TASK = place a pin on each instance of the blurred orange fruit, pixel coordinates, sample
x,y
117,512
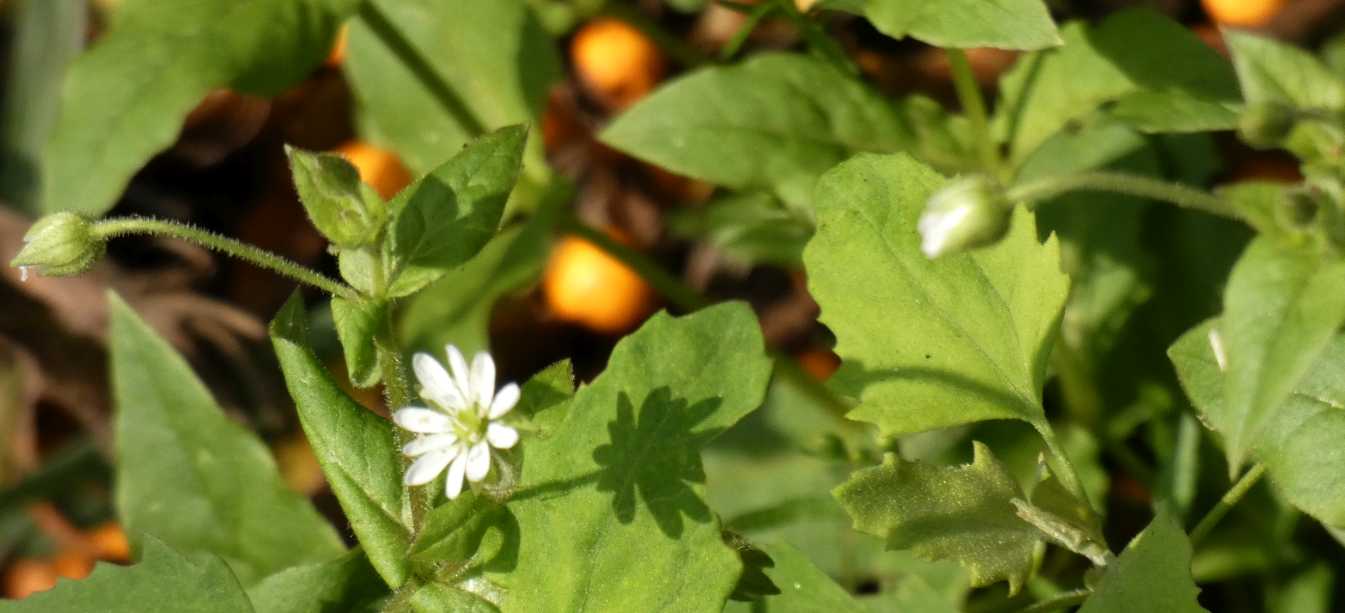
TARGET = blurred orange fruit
x,y
72,564
584,285
617,63
1243,13
337,56
378,167
27,576
108,542
819,363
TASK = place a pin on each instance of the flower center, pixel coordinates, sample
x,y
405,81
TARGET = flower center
x,y
468,426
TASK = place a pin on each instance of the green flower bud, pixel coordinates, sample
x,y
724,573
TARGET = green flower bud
x,y
60,245
1265,125
969,212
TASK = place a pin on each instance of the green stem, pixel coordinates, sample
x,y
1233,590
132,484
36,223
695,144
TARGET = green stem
x,y
1061,601
373,16
973,104
1035,192
125,226
1226,504
1068,475
397,394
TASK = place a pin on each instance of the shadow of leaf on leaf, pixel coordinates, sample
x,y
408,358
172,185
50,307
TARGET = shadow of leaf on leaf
x,y
655,454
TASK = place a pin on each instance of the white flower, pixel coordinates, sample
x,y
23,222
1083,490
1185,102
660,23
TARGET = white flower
x,y
461,423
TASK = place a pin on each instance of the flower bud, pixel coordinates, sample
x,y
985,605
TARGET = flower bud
x,y
1265,125
60,245
969,212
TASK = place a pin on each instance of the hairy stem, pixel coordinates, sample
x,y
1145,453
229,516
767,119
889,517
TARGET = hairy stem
x,y
1226,504
1063,467
973,104
1035,192
113,228
397,394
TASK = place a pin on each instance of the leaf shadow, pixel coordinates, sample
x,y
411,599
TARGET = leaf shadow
x,y
655,456
858,377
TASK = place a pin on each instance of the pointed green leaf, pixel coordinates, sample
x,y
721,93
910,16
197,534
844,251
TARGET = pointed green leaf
x,y
1172,83
1003,24
775,122
1293,442
975,330
126,98
354,446
162,580
342,207
494,57
446,217
357,321
1152,574
191,476
610,510
929,509
341,584
1281,308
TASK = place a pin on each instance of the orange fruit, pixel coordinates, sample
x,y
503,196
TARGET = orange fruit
x,y
819,363
72,564
108,542
1244,13
337,56
378,167
584,285
617,63
26,576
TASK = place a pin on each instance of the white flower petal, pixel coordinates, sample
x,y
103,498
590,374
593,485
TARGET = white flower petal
x,y
937,228
501,436
436,383
461,374
504,401
427,467
453,483
483,381
428,443
422,421
478,461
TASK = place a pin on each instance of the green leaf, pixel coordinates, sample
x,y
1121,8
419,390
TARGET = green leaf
x,y
929,510
749,228
774,122
494,57
437,598
446,217
342,207
357,321
191,476
456,309
354,446
162,580
1272,71
126,98
1172,83
1281,308
1296,434
45,37
545,395
803,588
1152,574
610,511
976,330
340,584
1003,24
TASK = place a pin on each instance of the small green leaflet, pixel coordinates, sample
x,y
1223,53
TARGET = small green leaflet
x,y
344,209
357,322
1172,83
354,446
928,509
961,339
161,580
1272,71
194,478
774,122
1152,574
1297,439
1281,308
125,99
1005,24
610,509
